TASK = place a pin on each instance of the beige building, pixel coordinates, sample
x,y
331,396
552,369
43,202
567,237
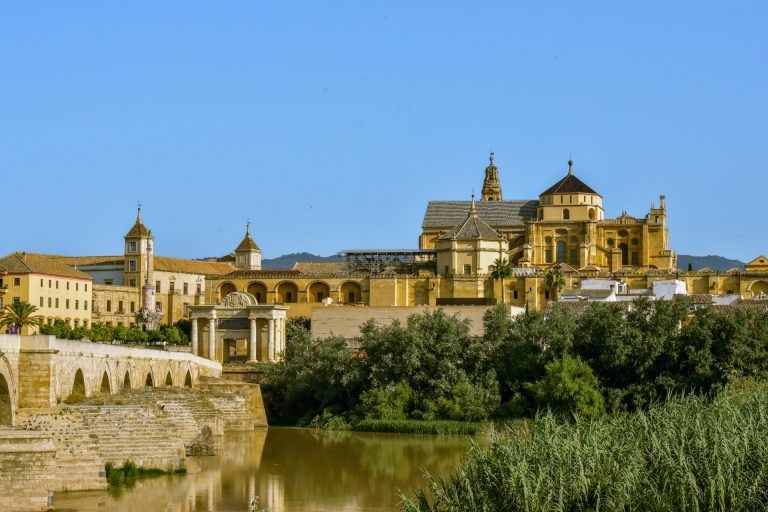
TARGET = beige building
x,y
59,291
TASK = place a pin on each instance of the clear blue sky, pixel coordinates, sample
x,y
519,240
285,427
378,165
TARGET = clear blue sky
x,y
331,124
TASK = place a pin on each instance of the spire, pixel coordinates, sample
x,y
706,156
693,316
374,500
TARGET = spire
x,y
491,184
473,208
248,228
570,167
138,215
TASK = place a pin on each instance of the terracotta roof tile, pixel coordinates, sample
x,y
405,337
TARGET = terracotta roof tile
x,y
184,266
32,263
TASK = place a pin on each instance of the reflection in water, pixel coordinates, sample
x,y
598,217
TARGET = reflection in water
x,y
291,470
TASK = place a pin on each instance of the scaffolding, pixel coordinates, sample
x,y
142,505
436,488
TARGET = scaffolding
x,y
397,261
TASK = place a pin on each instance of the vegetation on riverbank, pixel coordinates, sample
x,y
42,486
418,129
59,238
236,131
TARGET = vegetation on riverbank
x,y
173,335
127,474
436,427
605,359
683,454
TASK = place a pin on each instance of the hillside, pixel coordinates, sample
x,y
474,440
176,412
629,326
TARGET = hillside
x,y
714,262
287,260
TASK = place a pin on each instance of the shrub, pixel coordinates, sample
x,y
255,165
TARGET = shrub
x,y
388,403
435,427
570,387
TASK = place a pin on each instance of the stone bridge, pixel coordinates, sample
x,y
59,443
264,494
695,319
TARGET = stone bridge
x,y
42,371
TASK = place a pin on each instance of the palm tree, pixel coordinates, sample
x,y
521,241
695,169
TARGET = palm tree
x,y
502,269
555,280
21,314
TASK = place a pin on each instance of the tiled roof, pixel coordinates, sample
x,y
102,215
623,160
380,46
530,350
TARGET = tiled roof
x,y
569,184
565,267
264,274
164,264
85,261
320,267
32,263
248,244
696,298
592,294
589,268
497,214
472,228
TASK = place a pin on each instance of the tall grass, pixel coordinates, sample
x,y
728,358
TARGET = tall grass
x,y
682,455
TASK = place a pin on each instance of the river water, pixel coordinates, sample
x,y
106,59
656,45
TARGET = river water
x,y
290,470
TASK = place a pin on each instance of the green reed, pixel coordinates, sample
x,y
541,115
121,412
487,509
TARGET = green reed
x,y
684,455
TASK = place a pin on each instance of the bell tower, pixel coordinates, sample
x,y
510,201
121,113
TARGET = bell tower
x,y
491,184
138,258
248,254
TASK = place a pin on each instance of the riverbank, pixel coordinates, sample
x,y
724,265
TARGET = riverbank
x,y
684,454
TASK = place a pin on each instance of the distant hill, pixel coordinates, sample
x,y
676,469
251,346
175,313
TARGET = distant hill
x,y
287,260
714,262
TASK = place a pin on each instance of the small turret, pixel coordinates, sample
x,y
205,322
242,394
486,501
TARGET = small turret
x,y
491,184
248,254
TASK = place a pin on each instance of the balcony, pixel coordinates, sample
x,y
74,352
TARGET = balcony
x,y
3,289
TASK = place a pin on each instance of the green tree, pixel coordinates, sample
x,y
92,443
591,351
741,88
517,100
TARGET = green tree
x,y
21,314
502,269
555,280
570,387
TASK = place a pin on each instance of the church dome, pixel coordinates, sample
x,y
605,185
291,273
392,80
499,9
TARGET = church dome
x,y
570,184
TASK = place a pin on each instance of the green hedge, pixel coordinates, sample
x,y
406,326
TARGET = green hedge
x,y
444,427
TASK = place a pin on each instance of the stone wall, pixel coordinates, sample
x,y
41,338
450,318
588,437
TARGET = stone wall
x,y
26,471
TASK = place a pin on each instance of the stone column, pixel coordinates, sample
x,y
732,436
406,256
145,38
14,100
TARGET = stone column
x,y
252,341
271,340
194,337
212,339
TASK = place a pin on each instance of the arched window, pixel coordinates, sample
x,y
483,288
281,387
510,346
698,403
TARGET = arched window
x,y
561,251
566,214
591,214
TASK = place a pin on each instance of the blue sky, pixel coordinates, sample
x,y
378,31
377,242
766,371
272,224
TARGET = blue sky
x,y
331,124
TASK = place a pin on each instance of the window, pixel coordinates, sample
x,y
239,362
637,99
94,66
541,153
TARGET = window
x,y
77,304
591,214
288,296
16,300
66,304
158,306
514,294
85,305
67,285
186,288
16,281
561,251
108,281
86,287
132,282
657,219
131,246
186,309
467,270
172,287
41,282
57,302
548,256
109,306
566,214
77,287
157,286
351,297
132,265
624,254
635,258
49,284
199,288
574,256
41,301
320,296
120,306
447,270
57,284
546,294
133,307
49,301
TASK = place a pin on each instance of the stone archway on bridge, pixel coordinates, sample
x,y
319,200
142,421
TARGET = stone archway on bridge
x,y
6,403
127,380
78,391
150,381
188,380
105,386
169,379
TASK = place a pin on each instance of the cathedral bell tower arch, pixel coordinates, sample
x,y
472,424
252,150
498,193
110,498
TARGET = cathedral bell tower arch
x,y
491,183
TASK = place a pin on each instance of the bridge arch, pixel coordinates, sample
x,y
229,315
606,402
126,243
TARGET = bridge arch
x,y
127,379
188,380
78,386
169,379
7,394
106,387
149,382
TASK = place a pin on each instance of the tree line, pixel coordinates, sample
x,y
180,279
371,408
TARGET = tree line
x,y
605,358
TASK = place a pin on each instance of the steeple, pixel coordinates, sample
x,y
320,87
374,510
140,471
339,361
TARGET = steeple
x,y
491,184
570,167
248,254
